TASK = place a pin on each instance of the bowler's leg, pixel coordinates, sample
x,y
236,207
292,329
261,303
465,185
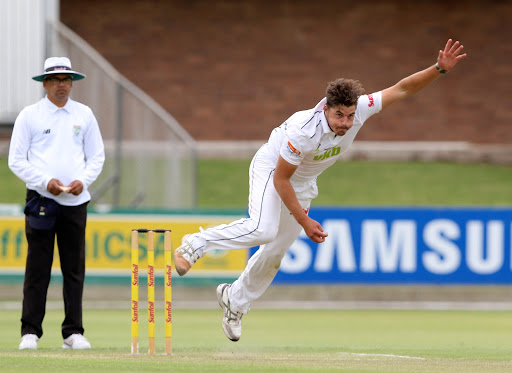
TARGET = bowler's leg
x,y
263,265
261,226
235,299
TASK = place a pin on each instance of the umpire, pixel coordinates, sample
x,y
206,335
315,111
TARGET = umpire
x,y
57,150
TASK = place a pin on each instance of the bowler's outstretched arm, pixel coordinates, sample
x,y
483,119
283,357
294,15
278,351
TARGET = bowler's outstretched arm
x,y
446,60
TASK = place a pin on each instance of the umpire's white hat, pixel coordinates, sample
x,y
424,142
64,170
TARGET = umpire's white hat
x,y
58,65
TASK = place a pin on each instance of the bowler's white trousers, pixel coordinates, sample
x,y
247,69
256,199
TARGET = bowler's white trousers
x,y
269,226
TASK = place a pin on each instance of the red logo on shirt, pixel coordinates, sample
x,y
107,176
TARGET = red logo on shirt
x,y
370,97
305,210
292,148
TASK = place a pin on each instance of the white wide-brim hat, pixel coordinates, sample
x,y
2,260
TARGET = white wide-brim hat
x,y
58,65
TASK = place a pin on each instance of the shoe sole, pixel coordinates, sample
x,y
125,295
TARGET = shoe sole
x,y
181,264
220,291
28,348
68,347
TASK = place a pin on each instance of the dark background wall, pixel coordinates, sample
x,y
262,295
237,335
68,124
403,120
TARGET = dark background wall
x,y
233,70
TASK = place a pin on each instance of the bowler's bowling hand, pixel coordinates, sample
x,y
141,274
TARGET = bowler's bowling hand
x,y
314,230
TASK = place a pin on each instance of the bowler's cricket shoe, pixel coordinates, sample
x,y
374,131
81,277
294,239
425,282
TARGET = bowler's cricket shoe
x,y
186,255
232,320
29,342
76,342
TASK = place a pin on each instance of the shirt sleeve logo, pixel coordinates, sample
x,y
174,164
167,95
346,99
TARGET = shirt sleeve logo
x,y
371,103
292,148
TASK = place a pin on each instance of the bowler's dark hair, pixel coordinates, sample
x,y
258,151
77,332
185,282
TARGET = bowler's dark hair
x,y
343,92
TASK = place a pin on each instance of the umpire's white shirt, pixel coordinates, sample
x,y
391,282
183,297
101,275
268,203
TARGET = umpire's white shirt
x,y
49,142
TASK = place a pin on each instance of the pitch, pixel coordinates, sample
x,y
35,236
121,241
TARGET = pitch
x,y
277,341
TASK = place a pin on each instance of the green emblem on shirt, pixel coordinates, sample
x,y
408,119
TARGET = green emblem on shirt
x,y
328,153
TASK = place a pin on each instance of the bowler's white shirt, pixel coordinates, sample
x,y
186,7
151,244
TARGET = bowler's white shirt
x,y
306,140
49,142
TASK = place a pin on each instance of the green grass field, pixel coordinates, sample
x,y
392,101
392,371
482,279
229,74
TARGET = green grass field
x,y
225,184
297,340
277,341
362,183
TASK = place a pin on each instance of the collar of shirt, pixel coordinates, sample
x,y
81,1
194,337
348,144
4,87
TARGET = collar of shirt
x,y
325,126
52,108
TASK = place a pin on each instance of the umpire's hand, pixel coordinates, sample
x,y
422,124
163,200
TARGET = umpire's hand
x,y
55,187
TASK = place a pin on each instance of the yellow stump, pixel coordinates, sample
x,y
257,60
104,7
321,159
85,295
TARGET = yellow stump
x,y
135,292
168,292
151,292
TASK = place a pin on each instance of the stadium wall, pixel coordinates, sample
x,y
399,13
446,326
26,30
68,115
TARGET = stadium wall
x,y
236,70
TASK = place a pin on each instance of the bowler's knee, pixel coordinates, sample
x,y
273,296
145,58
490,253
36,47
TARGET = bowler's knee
x,y
274,261
266,235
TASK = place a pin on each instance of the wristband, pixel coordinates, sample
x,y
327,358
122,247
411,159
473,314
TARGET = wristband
x,y
441,70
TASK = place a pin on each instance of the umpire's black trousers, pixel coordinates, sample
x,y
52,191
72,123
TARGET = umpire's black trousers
x,y
70,231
